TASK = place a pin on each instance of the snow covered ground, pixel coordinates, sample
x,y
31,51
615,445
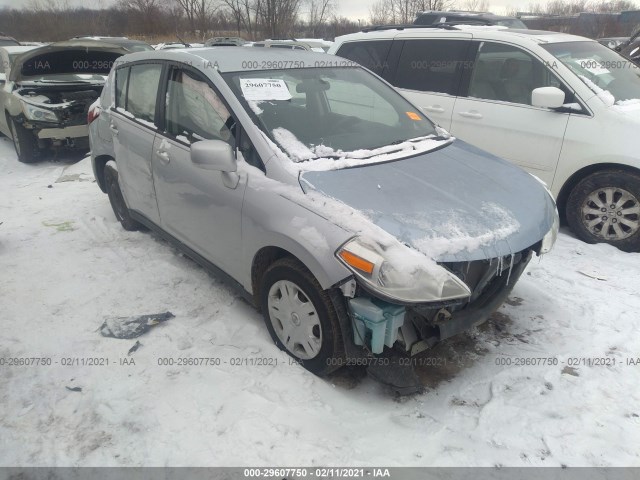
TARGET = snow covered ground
x,y
66,265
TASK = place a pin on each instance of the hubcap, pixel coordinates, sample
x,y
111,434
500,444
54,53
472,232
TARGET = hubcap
x,y
295,319
611,213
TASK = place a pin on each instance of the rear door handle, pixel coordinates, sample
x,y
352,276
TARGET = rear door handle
x,y
471,114
163,156
113,129
434,109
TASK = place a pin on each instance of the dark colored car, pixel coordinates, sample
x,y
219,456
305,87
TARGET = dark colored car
x,y
6,41
631,49
130,45
47,93
225,42
433,17
613,42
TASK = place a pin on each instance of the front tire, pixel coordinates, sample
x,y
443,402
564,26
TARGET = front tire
x,y
300,316
116,199
24,142
604,207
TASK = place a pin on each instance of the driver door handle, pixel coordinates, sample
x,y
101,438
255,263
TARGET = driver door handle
x,y
434,109
113,129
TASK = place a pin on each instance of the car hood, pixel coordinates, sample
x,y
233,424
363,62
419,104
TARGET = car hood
x,y
65,57
457,203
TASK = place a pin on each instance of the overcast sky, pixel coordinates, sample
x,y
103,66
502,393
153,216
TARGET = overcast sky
x,y
349,8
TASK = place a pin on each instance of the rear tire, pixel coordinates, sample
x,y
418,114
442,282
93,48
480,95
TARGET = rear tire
x,y
300,316
24,142
117,200
604,207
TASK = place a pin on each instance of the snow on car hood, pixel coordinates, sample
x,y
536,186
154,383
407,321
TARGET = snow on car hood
x,y
457,203
71,56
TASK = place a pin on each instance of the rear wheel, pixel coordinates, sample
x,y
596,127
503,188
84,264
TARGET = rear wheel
x,y
300,316
24,142
116,199
605,207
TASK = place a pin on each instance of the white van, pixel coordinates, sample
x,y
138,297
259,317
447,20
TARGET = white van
x,y
563,107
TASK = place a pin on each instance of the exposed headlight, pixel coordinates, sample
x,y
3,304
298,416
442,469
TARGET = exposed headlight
x,y
400,273
550,238
36,113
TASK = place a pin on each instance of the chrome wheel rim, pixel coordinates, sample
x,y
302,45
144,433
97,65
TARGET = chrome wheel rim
x,y
295,319
611,213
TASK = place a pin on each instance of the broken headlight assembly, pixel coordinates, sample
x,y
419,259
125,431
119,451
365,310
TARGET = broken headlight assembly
x,y
399,273
32,112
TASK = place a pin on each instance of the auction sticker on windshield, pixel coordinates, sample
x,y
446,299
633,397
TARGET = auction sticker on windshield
x,y
264,89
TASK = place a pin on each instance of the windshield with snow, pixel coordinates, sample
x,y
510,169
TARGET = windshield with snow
x,y
326,112
606,72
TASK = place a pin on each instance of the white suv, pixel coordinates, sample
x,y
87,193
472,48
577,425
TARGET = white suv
x,y
565,108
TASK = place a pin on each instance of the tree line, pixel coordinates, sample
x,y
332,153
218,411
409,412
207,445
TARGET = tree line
x,y
197,20
166,20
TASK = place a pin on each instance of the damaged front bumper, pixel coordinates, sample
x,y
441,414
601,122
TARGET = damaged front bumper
x,y
58,135
411,329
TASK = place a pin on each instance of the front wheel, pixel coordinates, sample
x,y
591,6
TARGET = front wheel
x,y
116,199
300,316
24,142
605,207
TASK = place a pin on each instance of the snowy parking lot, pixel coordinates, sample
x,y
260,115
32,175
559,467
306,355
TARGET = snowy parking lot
x,y
552,379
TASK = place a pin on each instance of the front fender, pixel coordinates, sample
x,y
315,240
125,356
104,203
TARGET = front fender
x,y
272,220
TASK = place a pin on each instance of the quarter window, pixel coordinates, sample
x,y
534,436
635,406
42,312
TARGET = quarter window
x,y
432,65
122,78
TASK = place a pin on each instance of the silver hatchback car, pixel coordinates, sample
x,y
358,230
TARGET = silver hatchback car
x,y
357,226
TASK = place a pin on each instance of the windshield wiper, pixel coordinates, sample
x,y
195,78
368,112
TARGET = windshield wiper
x,y
65,81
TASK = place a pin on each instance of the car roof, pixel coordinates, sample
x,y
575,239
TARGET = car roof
x,y
235,59
492,32
113,40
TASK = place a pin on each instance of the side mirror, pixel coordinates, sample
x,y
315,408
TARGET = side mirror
x,y
213,155
547,97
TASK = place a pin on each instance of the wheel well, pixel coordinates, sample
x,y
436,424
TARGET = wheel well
x,y
262,260
574,179
100,162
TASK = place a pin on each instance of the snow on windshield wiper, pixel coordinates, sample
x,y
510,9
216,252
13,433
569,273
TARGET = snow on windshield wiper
x,y
415,140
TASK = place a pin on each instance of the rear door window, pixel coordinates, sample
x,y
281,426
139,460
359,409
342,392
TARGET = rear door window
x,y
143,90
432,65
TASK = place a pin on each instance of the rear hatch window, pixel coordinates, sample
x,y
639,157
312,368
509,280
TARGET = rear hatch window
x,y
71,61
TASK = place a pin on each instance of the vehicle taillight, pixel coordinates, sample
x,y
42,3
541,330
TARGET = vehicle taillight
x,y
92,115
